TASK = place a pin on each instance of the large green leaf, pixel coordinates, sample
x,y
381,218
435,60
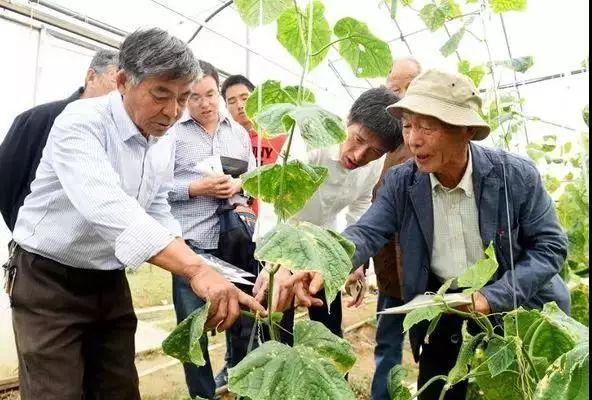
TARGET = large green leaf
x,y
276,371
272,92
421,314
557,328
586,114
271,119
478,275
293,34
253,11
367,55
435,15
320,339
500,6
518,322
287,187
568,377
184,342
396,384
319,128
305,247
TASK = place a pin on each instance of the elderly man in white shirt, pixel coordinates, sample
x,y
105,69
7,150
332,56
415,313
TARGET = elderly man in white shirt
x,y
354,168
99,204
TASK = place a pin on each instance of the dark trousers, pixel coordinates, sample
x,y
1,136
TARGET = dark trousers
x,y
389,345
439,355
74,331
329,316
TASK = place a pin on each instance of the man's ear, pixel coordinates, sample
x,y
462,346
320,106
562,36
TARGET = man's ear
x,y
471,132
122,81
90,76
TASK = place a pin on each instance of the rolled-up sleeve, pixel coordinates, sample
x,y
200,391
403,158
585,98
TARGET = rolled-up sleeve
x,y
94,189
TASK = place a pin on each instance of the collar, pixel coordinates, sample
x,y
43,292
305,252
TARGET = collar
x,y
465,184
125,126
187,118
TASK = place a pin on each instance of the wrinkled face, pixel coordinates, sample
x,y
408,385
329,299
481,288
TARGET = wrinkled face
x,y
155,104
204,102
436,146
101,83
236,98
401,75
361,147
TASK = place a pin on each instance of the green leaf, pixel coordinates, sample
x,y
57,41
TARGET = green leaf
x,y
568,377
586,115
287,187
368,56
184,342
478,275
465,355
293,34
432,327
500,355
251,10
580,304
476,73
421,314
452,44
520,64
394,8
271,119
435,15
306,247
274,93
319,128
276,371
518,322
396,384
500,6
445,286
317,337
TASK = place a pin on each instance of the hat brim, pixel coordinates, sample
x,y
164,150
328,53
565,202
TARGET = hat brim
x,y
447,112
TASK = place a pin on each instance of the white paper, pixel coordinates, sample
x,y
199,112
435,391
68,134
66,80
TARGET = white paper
x,y
427,300
210,167
231,272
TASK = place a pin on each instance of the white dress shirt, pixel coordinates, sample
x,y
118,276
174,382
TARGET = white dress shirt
x,y
99,199
347,191
457,238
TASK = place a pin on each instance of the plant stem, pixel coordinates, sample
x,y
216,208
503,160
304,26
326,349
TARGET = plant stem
x,y
479,318
428,383
271,327
331,44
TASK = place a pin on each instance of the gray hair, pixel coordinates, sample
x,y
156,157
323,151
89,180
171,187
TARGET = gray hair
x,y
104,59
154,52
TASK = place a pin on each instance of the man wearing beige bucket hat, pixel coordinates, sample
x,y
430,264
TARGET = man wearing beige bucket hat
x,y
447,205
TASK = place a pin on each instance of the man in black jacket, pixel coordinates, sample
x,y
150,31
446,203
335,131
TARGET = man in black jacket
x,y
21,150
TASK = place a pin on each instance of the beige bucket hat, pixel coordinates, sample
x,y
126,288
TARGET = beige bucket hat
x,y
452,98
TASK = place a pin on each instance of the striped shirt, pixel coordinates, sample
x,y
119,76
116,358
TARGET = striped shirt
x,y
457,238
194,146
99,200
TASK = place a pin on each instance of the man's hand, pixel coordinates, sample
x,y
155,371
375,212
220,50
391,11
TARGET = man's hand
x,y
353,279
306,284
481,305
220,187
225,298
283,290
